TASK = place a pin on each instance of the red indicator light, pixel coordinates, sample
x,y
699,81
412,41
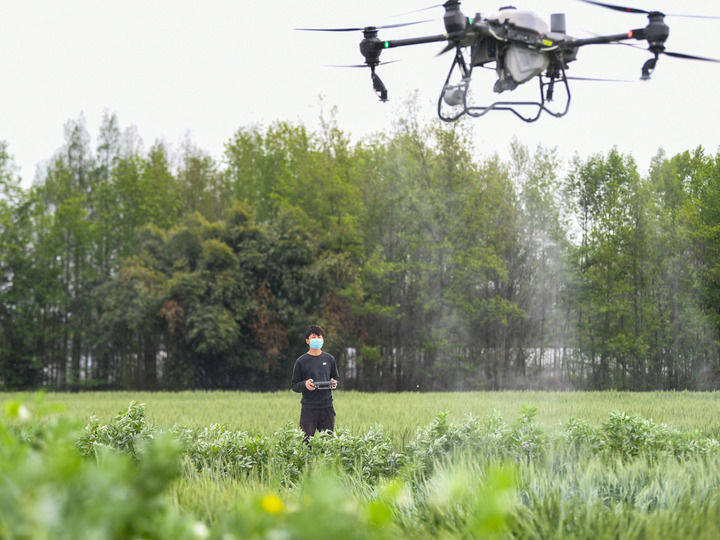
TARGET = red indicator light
x,y
630,34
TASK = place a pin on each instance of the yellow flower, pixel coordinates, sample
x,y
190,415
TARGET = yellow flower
x,y
272,504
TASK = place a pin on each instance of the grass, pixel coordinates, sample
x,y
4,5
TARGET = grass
x,y
399,413
555,498
556,492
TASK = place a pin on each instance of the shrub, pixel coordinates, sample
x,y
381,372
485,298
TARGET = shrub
x,y
124,433
372,456
230,452
53,491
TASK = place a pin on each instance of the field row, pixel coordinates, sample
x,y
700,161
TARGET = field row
x,y
398,413
625,477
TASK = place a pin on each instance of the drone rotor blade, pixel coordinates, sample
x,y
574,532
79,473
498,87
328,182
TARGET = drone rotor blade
x,y
346,66
599,80
328,29
615,7
448,47
405,24
693,16
625,9
360,65
628,45
690,57
357,29
669,53
429,8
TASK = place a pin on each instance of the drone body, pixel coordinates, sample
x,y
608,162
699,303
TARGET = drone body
x,y
519,46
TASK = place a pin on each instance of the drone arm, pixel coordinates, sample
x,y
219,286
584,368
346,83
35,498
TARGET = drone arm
x,y
414,41
632,34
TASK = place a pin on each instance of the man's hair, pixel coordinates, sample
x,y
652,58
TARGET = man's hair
x,y
314,329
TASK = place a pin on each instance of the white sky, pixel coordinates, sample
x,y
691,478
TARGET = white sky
x,y
178,67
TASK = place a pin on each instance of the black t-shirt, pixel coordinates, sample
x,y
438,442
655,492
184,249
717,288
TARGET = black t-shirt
x,y
317,368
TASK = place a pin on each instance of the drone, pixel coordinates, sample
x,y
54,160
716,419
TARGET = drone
x,y
519,46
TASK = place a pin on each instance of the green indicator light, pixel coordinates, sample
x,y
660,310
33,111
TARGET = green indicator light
x,y
387,44
469,20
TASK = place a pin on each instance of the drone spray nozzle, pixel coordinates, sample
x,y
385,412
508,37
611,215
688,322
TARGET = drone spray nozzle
x,y
378,85
648,68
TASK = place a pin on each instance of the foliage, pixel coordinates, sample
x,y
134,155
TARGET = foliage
x,y
51,491
226,451
627,477
431,266
126,432
628,436
373,455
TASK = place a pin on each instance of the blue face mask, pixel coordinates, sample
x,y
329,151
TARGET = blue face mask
x,y
316,343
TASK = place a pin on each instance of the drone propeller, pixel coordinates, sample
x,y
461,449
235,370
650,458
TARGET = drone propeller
x,y
362,28
377,83
667,53
592,79
626,9
429,8
449,5
616,8
670,53
360,65
449,47
689,57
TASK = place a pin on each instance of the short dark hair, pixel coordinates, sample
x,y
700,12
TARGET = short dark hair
x,y
314,329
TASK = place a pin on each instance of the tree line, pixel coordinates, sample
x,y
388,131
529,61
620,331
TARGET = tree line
x,y
428,267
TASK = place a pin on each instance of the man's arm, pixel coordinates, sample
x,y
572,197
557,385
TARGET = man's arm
x,y
298,380
334,373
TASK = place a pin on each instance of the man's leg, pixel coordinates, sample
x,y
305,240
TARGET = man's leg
x,y
308,422
326,419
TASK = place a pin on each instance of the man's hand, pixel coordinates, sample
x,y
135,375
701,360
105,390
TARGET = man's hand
x,y
334,384
309,385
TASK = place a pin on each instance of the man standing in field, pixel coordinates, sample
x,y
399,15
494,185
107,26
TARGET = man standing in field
x,y
316,412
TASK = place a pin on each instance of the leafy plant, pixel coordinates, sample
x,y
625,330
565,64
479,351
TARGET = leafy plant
x,y
124,433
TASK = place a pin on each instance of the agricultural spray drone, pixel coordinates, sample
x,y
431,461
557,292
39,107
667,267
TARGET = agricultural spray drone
x,y
518,46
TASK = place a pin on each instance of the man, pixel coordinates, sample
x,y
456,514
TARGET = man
x,y
316,412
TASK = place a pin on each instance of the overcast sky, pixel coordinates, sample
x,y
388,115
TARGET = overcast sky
x,y
176,67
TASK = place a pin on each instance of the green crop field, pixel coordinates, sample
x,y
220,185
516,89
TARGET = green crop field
x,y
396,412
419,465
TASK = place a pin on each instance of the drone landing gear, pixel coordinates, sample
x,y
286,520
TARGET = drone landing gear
x,y
455,95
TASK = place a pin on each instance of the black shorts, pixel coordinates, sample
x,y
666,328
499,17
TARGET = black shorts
x,y
312,420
